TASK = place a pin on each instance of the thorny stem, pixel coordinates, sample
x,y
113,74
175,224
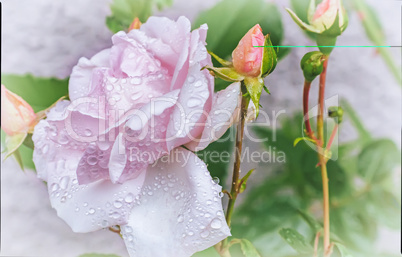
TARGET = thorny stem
x,y
322,159
224,251
306,92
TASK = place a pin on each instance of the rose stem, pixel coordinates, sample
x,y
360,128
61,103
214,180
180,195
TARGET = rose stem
x,y
306,92
322,159
236,168
331,139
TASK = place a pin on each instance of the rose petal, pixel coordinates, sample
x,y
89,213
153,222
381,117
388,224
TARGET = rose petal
x,y
194,104
80,79
182,207
85,208
223,114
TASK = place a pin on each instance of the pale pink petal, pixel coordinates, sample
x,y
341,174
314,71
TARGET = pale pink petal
x,y
80,80
224,113
194,104
84,208
179,210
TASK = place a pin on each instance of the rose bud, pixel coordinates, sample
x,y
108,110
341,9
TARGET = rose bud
x,y
322,19
247,58
326,13
17,116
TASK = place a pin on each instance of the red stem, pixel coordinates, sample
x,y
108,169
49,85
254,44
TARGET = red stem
x,y
306,92
331,139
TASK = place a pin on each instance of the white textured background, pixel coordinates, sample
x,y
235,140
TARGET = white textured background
x,y
47,37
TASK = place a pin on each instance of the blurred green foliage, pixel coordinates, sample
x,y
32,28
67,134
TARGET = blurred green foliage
x,y
124,12
363,196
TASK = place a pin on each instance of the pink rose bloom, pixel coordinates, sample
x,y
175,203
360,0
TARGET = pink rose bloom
x,y
112,155
247,59
17,116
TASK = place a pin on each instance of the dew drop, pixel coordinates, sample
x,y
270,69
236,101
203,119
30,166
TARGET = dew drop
x,y
64,182
92,160
91,211
180,218
117,204
215,180
198,84
129,198
88,133
193,102
54,187
216,224
204,234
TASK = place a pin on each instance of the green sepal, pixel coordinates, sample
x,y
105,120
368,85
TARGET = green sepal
x,y
266,89
254,87
312,65
323,40
220,60
243,181
28,141
297,140
269,59
303,25
335,30
18,158
12,143
225,73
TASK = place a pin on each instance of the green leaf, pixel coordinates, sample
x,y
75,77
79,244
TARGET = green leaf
x,y
313,223
254,88
225,73
248,249
385,207
230,20
98,255
124,12
377,159
343,251
40,93
296,240
243,181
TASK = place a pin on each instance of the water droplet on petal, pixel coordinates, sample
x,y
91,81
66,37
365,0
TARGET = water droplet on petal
x,y
64,182
216,224
117,204
129,198
91,211
180,218
204,234
215,180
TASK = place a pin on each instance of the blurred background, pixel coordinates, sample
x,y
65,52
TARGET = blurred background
x,y
46,38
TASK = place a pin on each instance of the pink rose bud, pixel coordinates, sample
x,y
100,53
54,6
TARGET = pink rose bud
x,y
17,116
326,12
247,59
